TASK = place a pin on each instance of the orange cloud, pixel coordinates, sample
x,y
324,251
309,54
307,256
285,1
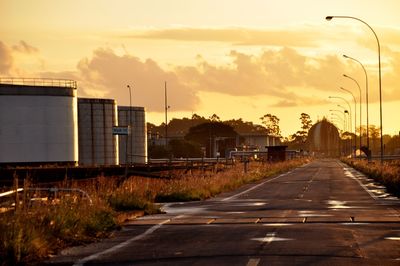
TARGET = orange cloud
x,y
305,37
271,73
284,75
24,47
109,74
6,59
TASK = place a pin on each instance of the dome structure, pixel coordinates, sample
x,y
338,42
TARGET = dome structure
x,y
323,139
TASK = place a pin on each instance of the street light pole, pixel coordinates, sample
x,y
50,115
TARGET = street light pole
x,y
166,114
355,118
359,88
366,94
130,123
379,68
348,104
350,120
346,124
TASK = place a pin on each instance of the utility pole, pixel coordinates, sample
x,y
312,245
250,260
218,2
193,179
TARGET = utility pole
x,y
166,115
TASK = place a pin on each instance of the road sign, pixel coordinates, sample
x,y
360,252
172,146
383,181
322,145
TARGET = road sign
x,y
120,130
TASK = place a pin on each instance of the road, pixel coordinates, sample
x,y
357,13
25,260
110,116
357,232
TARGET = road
x,y
323,213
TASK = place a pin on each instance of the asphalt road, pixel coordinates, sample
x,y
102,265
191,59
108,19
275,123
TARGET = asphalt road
x,y
323,213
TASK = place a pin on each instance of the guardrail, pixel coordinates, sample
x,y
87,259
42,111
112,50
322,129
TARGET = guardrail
x,y
46,82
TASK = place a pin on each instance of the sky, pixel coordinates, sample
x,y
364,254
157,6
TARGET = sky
x,y
235,58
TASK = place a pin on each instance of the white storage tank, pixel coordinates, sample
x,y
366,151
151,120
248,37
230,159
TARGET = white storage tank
x,y
38,121
96,118
135,117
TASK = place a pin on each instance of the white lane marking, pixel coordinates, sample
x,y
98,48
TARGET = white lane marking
x,y
149,231
276,224
348,173
252,188
253,262
396,238
271,237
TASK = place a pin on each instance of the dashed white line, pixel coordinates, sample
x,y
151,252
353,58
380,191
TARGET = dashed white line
x,y
253,262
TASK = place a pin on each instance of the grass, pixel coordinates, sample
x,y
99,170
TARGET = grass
x,y
387,174
31,234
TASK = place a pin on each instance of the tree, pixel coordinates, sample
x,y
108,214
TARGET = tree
x,y
206,134
185,149
215,118
374,134
271,122
306,124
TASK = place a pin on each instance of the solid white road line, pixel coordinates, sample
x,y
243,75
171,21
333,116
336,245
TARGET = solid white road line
x,y
120,245
348,173
252,188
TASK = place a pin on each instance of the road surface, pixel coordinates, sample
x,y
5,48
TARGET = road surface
x,y
323,213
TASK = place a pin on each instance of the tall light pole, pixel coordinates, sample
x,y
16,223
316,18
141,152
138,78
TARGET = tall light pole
x,y
379,68
348,116
345,126
348,104
166,113
130,123
359,88
336,116
366,94
345,122
355,114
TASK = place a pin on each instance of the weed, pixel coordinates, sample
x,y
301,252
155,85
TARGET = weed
x,y
31,234
387,174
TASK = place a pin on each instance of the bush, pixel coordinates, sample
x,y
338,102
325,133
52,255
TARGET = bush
x,y
128,201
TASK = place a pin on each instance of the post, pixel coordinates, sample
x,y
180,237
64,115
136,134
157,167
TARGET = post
x,y
130,124
16,191
166,114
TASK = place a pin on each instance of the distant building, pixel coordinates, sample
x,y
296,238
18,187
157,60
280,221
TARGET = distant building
x,y
42,122
258,141
135,117
96,119
38,123
323,139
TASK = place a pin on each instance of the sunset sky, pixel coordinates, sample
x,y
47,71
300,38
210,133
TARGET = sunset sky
x,y
238,59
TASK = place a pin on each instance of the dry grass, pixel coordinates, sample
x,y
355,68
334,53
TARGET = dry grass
x,y
388,174
31,234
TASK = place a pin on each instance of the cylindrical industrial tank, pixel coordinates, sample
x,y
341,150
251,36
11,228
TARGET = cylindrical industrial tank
x,y
96,118
323,139
135,117
38,121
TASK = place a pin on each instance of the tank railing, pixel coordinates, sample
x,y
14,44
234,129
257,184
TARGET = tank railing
x,y
46,82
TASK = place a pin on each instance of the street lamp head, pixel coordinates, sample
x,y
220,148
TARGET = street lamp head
x,y
346,111
328,18
345,56
344,75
